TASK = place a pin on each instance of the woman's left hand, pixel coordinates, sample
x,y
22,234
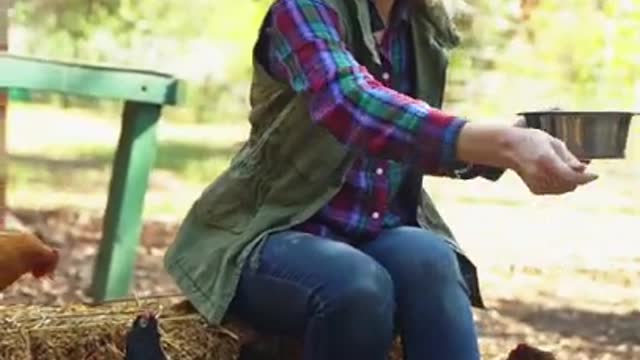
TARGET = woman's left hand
x,y
521,122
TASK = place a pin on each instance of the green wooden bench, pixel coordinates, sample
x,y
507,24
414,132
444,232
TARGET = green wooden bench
x,y
144,93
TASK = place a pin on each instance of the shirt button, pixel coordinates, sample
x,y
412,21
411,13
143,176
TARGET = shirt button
x,y
379,171
375,215
386,76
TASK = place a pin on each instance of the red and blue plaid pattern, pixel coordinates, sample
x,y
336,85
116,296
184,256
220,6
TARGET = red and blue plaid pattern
x,y
375,117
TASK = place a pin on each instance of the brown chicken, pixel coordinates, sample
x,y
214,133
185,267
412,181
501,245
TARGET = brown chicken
x,y
526,352
21,253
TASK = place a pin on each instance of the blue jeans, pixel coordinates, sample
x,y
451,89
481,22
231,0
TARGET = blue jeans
x,y
349,302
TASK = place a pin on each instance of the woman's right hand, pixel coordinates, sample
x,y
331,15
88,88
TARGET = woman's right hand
x,y
545,164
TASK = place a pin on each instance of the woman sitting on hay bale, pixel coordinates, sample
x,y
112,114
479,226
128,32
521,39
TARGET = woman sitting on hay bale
x,y
320,228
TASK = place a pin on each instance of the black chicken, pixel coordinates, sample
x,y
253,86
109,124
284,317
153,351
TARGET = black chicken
x,y
143,340
143,343
526,352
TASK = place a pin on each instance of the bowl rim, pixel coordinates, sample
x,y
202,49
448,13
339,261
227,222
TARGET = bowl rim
x,y
562,112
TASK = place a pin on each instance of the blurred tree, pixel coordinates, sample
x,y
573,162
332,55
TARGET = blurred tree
x,y
516,54
205,42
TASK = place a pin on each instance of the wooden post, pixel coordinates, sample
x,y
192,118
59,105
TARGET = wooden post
x,y
5,5
122,225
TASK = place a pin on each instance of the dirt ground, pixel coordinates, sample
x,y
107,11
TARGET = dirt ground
x,y
546,293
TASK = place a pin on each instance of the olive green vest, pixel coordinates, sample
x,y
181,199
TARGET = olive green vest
x,y
290,168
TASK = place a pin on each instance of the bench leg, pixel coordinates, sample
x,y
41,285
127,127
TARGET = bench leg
x,y
122,224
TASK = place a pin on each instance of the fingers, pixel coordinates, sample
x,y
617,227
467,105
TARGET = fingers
x,y
558,171
552,168
563,152
521,122
578,174
585,178
562,176
572,174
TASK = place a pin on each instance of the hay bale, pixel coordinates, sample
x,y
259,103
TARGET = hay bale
x,y
12,347
84,331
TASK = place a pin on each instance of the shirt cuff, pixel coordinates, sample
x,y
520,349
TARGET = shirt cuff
x,y
459,169
449,157
473,171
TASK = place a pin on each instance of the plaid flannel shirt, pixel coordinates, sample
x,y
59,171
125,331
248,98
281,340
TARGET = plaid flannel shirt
x,y
392,131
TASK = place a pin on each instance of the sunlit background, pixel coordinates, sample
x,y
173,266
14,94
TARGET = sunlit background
x,y
562,272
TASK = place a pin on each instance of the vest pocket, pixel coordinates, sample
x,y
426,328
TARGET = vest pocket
x,y
318,155
229,203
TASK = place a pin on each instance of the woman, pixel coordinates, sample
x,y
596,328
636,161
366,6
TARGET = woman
x,y
320,228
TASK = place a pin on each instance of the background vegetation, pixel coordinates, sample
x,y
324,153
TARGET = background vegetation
x,y
516,55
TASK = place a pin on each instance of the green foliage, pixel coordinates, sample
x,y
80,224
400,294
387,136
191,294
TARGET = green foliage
x,y
206,42
572,53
